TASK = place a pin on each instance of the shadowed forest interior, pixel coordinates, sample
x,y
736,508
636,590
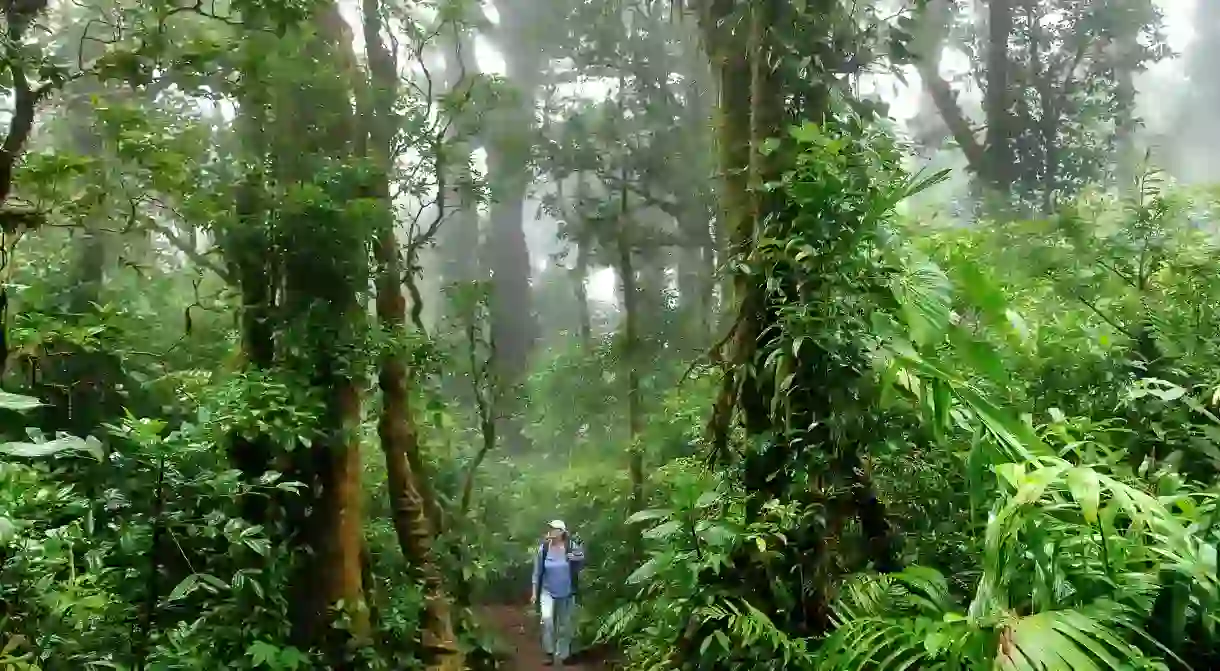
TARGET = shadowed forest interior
x,y
842,335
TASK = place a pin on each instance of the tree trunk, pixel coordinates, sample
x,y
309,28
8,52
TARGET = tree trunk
x,y
748,388
459,236
653,287
395,427
695,281
696,264
25,99
399,437
932,29
325,274
248,255
631,355
997,101
78,383
338,573
1048,124
513,322
580,279
1126,60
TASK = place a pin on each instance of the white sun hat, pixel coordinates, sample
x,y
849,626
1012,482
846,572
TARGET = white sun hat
x,y
558,524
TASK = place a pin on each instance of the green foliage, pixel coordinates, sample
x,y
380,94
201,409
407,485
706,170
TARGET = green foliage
x,y
1031,405
1093,554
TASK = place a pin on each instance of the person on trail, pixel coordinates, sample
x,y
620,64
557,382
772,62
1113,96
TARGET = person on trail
x,y
555,585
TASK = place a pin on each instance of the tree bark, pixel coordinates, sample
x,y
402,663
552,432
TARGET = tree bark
x,y
396,427
514,325
631,354
325,274
580,278
998,96
731,67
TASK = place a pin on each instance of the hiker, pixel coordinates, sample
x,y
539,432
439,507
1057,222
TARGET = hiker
x,y
556,569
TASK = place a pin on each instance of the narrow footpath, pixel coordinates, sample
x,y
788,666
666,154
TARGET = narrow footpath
x,y
518,629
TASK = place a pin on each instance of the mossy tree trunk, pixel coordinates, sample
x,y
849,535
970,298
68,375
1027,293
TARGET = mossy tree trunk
x,y
320,236
748,57
396,426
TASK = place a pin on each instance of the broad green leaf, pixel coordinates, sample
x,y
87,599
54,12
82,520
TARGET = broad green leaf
x,y
1086,489
924,295
649,514
645,572
189,584
1013,474
806,133
663,530
18,402
59,445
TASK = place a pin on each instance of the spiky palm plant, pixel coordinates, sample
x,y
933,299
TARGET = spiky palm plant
x,y
1079,554
1073,561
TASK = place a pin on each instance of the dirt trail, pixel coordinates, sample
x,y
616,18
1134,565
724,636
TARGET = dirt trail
x,y
518,629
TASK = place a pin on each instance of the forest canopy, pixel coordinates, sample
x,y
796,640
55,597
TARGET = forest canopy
x,y
827,335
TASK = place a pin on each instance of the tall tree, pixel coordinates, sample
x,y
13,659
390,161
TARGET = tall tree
x,y
1041,147
795,454
413,524
508,142
318,268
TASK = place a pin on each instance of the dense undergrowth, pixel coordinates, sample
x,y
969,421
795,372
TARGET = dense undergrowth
x,y
827,432
1039,399
1043,422
1039,395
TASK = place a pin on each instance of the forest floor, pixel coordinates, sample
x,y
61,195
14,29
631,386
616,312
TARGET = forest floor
x,y
517,629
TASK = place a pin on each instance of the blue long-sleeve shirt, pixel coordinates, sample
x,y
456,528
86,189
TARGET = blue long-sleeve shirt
x,y
556,571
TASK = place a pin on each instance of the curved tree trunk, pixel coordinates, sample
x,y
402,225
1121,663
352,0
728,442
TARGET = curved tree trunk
x,y
396,428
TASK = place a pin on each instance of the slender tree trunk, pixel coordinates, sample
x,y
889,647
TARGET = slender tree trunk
x,y
18,19
484,394
396,427
653,287
459,236
697,257
399,437
580,279
695,283
78,383
998,96
1126,60
631,354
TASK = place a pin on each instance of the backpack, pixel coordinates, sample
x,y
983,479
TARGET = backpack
x,y
567,548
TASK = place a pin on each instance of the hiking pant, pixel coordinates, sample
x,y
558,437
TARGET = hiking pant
x,y
557,624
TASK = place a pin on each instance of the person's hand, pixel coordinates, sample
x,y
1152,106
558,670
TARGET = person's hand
x,y
533,598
